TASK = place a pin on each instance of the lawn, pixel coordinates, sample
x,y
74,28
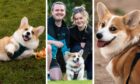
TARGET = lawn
x,y
30,70
71,82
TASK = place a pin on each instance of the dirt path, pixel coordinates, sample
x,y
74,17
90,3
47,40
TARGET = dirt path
x,y
101,75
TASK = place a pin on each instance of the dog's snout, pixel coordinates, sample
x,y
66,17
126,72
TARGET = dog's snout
x,y
77,59
99,35
28,33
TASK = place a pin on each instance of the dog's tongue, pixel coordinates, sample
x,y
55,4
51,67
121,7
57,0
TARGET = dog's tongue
x,y
25,38
77,64
101,43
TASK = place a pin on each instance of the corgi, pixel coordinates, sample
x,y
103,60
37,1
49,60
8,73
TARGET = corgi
x,y
22,43
118,38
75,66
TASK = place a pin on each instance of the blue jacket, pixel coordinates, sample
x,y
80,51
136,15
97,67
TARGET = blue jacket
x,y
58,34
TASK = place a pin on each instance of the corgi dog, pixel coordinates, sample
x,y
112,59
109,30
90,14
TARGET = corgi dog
x,y
75,66
118,38
22,43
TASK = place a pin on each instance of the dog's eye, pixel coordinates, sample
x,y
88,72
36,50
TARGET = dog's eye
x,y
112,28
32,32
26,29
103,24
74,56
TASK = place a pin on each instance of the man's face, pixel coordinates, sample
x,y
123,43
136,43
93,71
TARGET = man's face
x,y
58,12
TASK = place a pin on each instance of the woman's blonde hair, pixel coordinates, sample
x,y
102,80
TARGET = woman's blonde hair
x,y
80,9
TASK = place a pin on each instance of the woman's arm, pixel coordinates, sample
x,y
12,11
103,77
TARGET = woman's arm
x,y
88,45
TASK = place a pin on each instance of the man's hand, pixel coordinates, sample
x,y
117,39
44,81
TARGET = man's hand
x,y
58,44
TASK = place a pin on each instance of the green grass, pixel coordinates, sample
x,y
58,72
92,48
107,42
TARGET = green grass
x,y
71,82
24,71
30,70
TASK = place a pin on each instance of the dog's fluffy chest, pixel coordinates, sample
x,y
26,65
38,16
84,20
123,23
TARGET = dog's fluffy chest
x,y
75,68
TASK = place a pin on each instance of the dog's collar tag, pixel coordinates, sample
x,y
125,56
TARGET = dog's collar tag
x,y
19,51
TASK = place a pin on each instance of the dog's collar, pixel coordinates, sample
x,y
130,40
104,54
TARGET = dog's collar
x,y
18,52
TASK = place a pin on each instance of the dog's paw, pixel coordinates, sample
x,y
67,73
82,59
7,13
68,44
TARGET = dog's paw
x,y
9,54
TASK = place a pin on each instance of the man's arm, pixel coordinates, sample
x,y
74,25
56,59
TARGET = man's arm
x,y
58,44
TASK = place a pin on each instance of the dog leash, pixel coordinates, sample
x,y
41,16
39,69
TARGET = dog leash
x,y
137,57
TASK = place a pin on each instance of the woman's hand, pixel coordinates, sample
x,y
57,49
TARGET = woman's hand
x,y
83,44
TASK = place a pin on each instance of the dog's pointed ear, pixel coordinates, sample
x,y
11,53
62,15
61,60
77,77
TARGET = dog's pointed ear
x,y
132,19
67,53
102,10
81,52
66,56
39,30
24,22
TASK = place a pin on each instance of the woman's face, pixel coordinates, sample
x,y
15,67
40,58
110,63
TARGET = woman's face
x,y
79,20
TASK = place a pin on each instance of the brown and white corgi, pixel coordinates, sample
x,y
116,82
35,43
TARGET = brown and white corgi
x,y
118,38
75,66
22,43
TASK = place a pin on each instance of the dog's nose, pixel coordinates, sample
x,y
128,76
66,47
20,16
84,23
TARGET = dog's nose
x,y
28,33
99,35
77,59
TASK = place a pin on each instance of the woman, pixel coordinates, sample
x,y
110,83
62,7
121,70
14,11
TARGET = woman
x,y
81,36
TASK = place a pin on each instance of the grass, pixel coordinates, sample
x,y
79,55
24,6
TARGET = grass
x,y
24,71
71,82
30,70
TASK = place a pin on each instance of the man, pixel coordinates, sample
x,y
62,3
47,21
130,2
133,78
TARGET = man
x,y
58,36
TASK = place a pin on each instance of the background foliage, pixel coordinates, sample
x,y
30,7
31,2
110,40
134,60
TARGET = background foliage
x,y
70,4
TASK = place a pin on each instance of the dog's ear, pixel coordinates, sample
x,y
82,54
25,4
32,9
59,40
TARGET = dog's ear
x,y
132,19
81,52
102,10
39,30
24,22
67,55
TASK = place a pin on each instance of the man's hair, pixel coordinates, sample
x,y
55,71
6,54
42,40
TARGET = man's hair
x,y
59,3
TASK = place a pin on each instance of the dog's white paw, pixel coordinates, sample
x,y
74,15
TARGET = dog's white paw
x,y
10,49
